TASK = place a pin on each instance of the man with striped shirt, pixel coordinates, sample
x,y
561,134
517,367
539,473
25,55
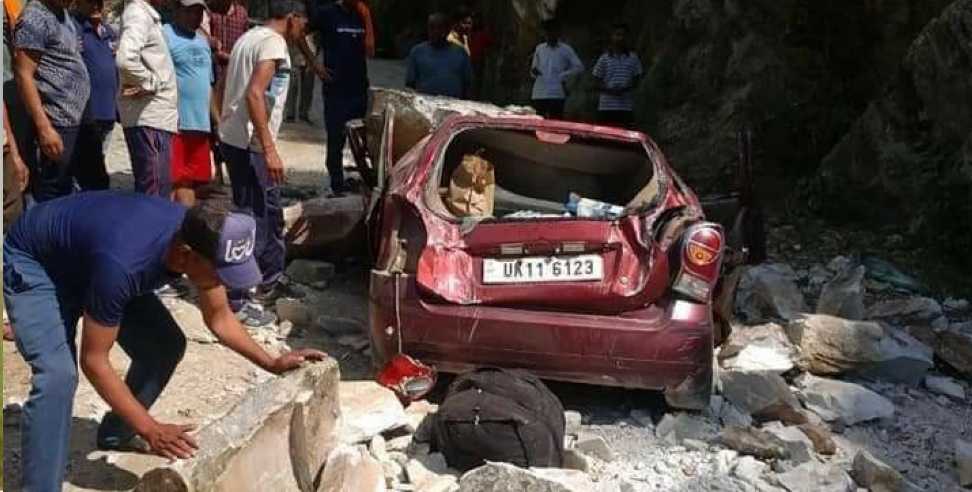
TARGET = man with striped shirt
x,y
618,72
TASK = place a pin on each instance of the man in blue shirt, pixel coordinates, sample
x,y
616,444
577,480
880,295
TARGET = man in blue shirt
x,y
98,256
98,42
342,38
438,67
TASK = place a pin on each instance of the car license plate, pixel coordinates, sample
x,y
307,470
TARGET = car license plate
x,y
581,268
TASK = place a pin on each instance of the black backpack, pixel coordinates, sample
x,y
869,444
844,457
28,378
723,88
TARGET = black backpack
x,y
499,415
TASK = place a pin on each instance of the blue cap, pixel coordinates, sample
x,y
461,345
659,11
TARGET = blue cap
x,y
235,264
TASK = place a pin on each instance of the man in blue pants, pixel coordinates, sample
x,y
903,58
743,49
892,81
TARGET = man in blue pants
x,y
98,256
342,37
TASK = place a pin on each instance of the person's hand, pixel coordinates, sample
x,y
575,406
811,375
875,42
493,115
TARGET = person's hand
x,y
323,72
275,167
171,441
133,92
50,143
293,360
21,173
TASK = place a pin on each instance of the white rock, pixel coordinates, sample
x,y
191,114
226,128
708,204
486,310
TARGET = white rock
x,y
725,460
816,477
843,296
379,448
799,446
753,392
504,477
875,475
838,400
398,444
756,358
594,446
422,469
945,386
419,415
368,409
573,419
576,460
643,418
351,468
731,415
675,428
749,469
442,483
963,462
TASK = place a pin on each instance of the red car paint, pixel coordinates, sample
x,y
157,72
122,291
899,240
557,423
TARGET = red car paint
x,y
427,298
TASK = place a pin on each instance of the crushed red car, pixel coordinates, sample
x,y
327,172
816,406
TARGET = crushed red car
x,y
623,298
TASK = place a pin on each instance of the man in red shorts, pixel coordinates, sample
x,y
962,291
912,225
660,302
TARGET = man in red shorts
x,y
192,57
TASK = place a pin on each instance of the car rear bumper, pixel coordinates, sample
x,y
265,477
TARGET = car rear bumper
x,y
662,347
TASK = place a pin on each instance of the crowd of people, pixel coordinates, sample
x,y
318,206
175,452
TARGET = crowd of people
x,y
195,88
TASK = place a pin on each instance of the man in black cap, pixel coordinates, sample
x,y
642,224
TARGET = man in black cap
x,y
99,256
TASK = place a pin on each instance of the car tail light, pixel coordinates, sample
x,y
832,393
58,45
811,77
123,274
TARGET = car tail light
x,y
407,377
701,260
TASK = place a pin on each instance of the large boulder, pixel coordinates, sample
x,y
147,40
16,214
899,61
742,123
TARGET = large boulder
x,y
286,425
323,225
842,401
758,348
368,409
769,291
843,296
912,309
833,346
756,392
418,114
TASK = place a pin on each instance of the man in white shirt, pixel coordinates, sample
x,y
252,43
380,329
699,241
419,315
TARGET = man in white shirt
x,y
254,97
554,64
148,101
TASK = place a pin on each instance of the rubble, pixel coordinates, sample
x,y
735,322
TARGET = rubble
x,y
799,447
337,326
594,446
314,226
842,401
309,272
576,460
425,468
753,442
573,419
876,476
504,477
678,427
367,410
955,347
753,392
749,470
906,310
843,296
834,346
820,436
769,291
956,305
963,462
295,311
945,386
418,414
351,469
286,424
758,348
815,477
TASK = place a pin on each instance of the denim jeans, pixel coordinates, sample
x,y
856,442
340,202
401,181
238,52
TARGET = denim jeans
x,y
89,156
255,195
52,178
44,317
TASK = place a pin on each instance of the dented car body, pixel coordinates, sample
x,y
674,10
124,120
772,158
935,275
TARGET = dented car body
x,y
624,300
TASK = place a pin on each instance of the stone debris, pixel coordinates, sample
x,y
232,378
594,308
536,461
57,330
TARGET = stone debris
x,y
313,226
422,469
354,342
573,419
834,346
955,347
295,311
675,428
337,326
873,474
504,477
749,470
820,436
574,459
758,348
594,446
816,477
769,291
368,409
843,296
379,448
352,469
799,447
753,442
963,462
945,386
641,417
419,415
956,305
906,310
838,400
725,460
753,392
309,272
441,483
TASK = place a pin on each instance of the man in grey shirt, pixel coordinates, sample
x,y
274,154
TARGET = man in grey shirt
x,y
54,85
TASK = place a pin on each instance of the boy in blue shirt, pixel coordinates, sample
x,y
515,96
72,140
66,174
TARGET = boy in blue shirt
x,y
192,56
